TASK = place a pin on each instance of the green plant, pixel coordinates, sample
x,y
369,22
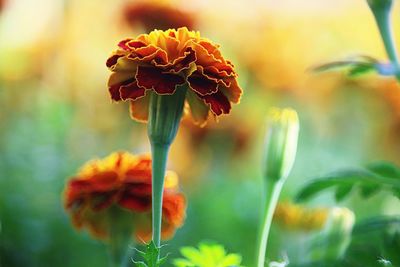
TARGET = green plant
x,y
370,180
207,255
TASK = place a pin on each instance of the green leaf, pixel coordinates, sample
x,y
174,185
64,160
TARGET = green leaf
x,y
385,169
207,255
151,256
379,223
370,180
360,69
359,65
342,191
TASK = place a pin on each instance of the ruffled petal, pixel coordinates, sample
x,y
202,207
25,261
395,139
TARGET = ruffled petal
x,y
161,83
233,92
131,91
218,103
139,109
201,84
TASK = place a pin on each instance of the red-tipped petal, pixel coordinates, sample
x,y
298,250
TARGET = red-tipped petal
x,y
218,102
201,84
162,83
131,91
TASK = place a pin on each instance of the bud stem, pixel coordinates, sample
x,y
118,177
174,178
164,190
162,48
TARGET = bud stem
x,y
273,190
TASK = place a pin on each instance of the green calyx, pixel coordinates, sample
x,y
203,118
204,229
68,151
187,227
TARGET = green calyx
x,y
380,4
165,113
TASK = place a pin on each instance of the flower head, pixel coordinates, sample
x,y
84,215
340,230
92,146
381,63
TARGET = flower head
x,y
122,180
298,217
165,61
281,143
157,15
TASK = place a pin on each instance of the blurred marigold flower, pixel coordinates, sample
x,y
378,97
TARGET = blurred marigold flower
x,y
157,15
297,217
122,180
164,62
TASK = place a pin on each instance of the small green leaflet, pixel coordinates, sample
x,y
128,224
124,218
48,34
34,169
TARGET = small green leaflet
x,y
359,65
207,255
369,180
150,256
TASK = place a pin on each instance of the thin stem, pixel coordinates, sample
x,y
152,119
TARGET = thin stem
x,y
160,155
383,20
273,190
165,113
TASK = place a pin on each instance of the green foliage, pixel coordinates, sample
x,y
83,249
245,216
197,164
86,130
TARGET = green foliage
x,y
207,255
151,256
369,180
359,65
375,242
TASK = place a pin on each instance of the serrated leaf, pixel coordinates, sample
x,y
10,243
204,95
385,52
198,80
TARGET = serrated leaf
x,y
364,178
231,260
207,255
385,169
380,223
367,191
151,256
359,65
360,69
342,191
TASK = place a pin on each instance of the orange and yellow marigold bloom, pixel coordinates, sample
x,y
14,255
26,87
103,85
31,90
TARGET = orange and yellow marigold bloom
x,y
121,180
165,61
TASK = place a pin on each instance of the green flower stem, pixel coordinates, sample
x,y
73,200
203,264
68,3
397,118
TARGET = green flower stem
x,y
121,231
165,113
273,190
160,155
382,16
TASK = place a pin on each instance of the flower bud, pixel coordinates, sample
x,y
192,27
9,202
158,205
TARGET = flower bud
x,y
281,143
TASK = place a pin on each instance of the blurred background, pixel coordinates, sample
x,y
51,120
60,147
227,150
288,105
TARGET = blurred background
x,y
55,114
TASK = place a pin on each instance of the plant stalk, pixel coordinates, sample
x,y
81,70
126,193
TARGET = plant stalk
x,y
165,113
273,190
160,155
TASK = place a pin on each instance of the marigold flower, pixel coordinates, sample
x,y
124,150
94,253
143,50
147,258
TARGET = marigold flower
x,y
157,15
122,180
164,62
297,217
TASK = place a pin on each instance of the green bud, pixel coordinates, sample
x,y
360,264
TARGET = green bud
x,y
281,143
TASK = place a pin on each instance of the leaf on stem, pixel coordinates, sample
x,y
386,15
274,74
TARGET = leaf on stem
x,y
151,256
370,180
359,65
